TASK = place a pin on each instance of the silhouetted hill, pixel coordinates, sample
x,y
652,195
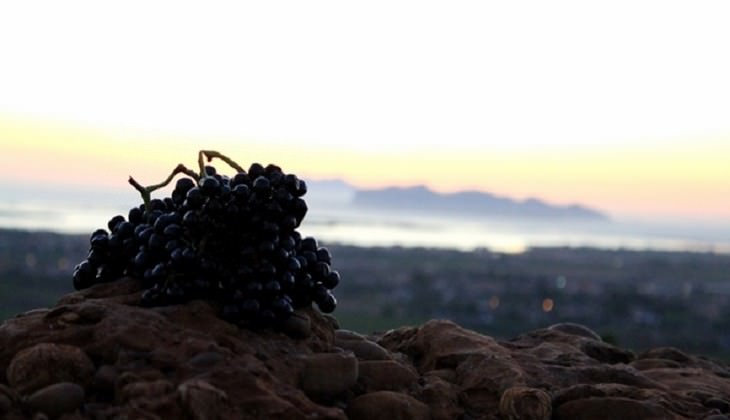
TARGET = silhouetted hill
x,y
420,198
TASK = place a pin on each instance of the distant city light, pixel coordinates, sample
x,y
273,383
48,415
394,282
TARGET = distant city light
x,y
494,302
547,305
560,282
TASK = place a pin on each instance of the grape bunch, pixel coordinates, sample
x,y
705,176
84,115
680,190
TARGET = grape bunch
x,y
228,239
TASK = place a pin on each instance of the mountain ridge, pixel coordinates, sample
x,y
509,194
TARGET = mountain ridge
x,y
421,198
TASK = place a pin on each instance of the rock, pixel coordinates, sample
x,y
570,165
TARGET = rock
x,y
57,399
145,389
387,405
183,361
525,403
364,349
439,344
441,397
47,363
610,408
669,353
719,403
648,364
206,359
327,375
606,353
576,329
348,335
381,375
5,404
203,401
447,375
105,378
297,326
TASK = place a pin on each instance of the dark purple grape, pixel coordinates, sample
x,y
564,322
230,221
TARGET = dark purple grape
x,y
321,270
332,279
135,215
209,186
256,170
114,221
261,185
100,242
328,303
84,275
194,198
184,185
172,231
124,229
323,254
157,204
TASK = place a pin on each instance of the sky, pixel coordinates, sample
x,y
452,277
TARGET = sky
x,y
621,105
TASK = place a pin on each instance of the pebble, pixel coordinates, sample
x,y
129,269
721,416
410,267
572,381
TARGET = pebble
x,y
297,326
329,374
364,349
575,329
205,359
387,405
146,389
520,402
47,363
200,398
347,335
105,378
5,404
57,399
381,375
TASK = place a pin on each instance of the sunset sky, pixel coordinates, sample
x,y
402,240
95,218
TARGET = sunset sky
x,y
622,105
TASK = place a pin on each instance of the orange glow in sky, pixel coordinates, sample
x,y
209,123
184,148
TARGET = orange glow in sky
x,y
672,180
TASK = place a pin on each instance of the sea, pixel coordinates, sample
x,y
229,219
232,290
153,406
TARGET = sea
x,y
333,218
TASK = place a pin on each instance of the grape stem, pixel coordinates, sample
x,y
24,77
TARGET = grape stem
x,y
203,155
146,192
210,154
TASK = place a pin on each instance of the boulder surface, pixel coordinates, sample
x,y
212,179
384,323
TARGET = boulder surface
x,y
97,354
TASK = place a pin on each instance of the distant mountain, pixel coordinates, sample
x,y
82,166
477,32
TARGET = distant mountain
x,y
422,199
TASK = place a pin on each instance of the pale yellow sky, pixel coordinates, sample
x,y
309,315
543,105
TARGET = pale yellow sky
x,y
688,179
622,106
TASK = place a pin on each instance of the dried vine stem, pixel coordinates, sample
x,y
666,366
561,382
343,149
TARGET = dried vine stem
x,y
146,192
210,154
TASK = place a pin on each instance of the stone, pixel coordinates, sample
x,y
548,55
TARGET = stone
x,y
183,361
145,389
441,397
380,375
669,353
575,329
387,405
47,363
203,401
606,353
5,404
297,326
348,335
525,403
57,399
327,375
598,408
205,359
364,349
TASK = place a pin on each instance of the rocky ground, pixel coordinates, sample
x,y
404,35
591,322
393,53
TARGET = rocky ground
x,y
97,354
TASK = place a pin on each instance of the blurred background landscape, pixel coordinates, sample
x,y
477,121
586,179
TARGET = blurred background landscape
x,y
505,166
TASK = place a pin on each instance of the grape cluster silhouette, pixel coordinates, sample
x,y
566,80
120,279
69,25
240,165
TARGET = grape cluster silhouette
x,y
232,240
